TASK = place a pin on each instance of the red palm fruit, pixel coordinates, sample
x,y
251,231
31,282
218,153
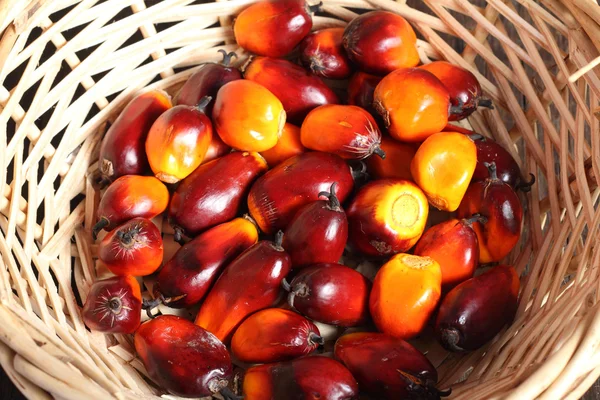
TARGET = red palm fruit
x,y
214,192
453,244
297,89
476,310
252,282
498,203
332,294
216,149
288,146
380,42
122,151
207,81
134,248
323,53
396,163
463,87
274,335
183,358
361,89
347,131
178,141
318,232
313,377
113,305
273,28
195,267
276,196
388,367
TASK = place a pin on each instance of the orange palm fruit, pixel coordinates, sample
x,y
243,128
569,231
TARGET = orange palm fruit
x,y
216,149
405,293
348,131
248,116
178,141
443,167
396,163
288,146
323,53
386,217
413,103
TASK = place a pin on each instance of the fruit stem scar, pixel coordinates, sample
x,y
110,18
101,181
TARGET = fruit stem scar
x,y
405,210
416,262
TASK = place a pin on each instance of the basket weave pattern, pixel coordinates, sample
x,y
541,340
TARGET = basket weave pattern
x,y
81,61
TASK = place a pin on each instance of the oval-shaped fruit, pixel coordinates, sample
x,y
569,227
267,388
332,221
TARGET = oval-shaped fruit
x,y
250,283
443,167
405,292
314,377
387,216
134,248
323,53
275,197
463,87
214,192
122,151
207,81
476,310
216,149
273,28
288,146
347,131
332,294
380,42
247,116
498,203
413,103
396,163
387,367
183,358
361,90
298,90
453,244
195,267
318,232
113,305
274,335
178,141
128,197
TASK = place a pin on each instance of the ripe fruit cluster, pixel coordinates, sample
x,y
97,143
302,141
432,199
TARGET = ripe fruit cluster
x,y
260,174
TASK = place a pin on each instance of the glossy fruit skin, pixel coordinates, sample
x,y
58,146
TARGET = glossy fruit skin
x,y
386,217
489,151
128,197
463,87
317,233
183,358
333,294
247,116
498,202
299,91
380,363
288,146
454,245
252,282
443,167
413,103
197,265
214,192
134,248
313,377
273,28
207,81
274,335
347,131
323,53
380,42
361,90
113,305
216,149
177,142
476,310
396,163
405,292
122,151
276,196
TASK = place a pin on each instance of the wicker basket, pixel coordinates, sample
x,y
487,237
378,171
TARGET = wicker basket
x,y
69,66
